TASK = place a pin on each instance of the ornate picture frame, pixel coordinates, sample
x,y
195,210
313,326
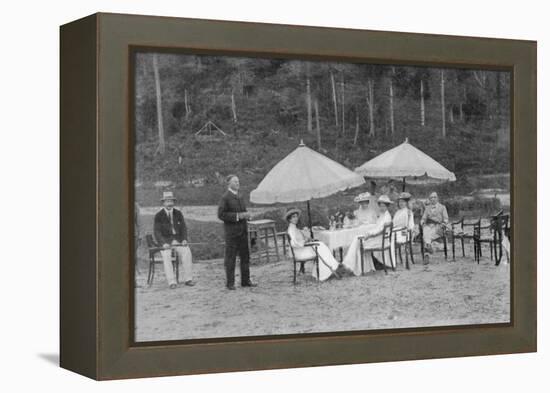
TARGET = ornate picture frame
x,y
97,156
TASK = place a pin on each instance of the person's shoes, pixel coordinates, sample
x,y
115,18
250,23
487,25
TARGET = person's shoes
x,y
249,284
231,287
190,283
173,286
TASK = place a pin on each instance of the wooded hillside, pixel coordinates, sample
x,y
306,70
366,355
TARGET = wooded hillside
x,y
350,112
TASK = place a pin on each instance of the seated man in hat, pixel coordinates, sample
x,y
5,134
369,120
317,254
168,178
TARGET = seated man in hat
x,y
171,233
434,222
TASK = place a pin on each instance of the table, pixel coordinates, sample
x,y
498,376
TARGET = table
x,y
338,239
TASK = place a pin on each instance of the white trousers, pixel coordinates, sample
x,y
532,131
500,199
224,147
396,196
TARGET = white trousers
x,y
186,260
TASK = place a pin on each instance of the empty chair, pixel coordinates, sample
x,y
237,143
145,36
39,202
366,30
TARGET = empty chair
x,y
489,231
462,230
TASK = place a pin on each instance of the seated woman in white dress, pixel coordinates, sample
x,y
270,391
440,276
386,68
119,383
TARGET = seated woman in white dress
x,y
304,249
367,212
403,218
373,238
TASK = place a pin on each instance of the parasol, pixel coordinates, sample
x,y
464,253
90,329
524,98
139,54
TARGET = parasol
x,y
302,175
406,162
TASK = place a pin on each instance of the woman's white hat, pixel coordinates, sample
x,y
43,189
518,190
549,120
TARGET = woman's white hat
x,y
362,197
384,199
292,211
405,196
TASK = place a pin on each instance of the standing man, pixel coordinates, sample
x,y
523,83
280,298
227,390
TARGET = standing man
x,y
232,211
171,233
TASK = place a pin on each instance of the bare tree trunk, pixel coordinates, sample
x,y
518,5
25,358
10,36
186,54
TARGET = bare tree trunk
x,y
334,101
481,79
187,108
499,100
317,125
443,129
308,102
422,107
392,124
356,126
233,106
162,145
370,104
343,105
462,103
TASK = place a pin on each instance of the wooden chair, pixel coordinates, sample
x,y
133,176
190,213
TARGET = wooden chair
x,y
283,236
302,262
155,258
384,246
504,223
442,238
460,231
502,227
488,233
407,244
492,233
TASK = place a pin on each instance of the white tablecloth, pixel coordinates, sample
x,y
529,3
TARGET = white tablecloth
x,y
341,237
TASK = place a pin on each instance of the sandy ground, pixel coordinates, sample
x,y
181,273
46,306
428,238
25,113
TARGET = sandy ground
x,y
442,293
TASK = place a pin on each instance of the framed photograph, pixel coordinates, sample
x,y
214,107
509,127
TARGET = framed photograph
x,y
243,196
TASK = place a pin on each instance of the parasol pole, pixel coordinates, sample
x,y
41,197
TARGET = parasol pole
x,y
309,219
403,184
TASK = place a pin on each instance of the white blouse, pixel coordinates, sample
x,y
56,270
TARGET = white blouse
x,y
383,220
297,238
403,218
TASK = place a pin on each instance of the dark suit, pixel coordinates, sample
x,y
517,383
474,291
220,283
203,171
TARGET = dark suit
x,y
163,229
236,236
165,233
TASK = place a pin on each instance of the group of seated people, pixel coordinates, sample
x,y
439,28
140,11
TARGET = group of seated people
x,y
374,214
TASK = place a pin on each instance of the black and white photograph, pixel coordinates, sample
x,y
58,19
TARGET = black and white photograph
x,y
279,196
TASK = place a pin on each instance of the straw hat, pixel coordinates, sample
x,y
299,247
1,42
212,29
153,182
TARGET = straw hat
x,y
362,197
384,199
292,211
168,195
405,196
